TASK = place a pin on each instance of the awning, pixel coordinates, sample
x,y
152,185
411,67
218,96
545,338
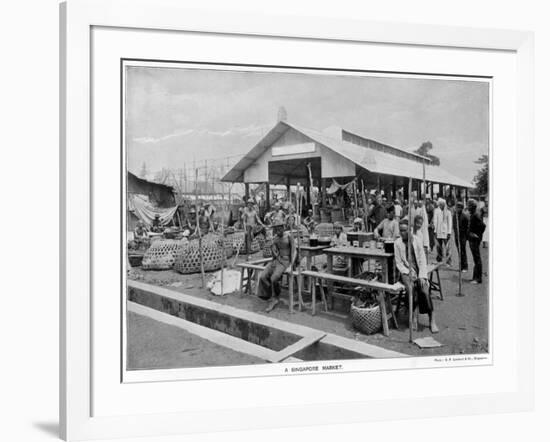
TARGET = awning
x,y
145,211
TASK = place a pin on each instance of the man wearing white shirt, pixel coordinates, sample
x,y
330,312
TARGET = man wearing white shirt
x,y
398,210
414,272
443,226
418,209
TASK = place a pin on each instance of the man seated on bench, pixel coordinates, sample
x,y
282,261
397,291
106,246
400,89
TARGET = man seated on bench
x,y
414,274
283,250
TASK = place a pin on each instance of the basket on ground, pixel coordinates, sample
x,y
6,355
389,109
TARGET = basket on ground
x,y
366,319
254,246
234,241
188,259
162,254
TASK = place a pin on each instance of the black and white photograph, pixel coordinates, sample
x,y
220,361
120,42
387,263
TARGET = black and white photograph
x,y
286,215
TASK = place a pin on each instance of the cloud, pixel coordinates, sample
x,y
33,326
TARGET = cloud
x,y
247,131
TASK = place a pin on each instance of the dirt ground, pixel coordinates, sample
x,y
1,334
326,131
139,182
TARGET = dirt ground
x,y
463,322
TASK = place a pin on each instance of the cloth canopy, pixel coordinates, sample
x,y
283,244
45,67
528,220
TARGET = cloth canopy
x,y
145,211
334,187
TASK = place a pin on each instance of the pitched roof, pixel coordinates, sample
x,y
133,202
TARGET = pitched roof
x,y
372,160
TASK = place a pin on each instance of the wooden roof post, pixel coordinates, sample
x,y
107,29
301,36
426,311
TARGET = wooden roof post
x,y
267,197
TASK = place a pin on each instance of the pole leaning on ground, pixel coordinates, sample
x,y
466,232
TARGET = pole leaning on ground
x,y
223,245
203,278
298,251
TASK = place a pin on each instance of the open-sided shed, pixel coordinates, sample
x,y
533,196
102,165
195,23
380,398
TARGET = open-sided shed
x,y
287,154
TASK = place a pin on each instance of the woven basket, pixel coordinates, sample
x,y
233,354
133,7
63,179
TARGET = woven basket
x,y
188,258
234,241
324,230
325,216
367,320
162,254
254,246
337,215
228,245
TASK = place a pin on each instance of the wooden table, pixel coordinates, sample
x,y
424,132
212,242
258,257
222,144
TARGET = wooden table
x,y
359,253
310,252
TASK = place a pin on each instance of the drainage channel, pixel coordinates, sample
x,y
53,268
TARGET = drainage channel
x,y
270,339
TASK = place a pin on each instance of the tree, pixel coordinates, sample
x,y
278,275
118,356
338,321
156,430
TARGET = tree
x,y
481,180
143,172
425,149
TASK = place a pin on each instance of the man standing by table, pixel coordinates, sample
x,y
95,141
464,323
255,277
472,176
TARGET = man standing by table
x,y
389,227
283,250
378,212
414,273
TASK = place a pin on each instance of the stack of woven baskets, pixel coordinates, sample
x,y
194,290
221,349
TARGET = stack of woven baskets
x,y
162,254
337,215
325,230
188,259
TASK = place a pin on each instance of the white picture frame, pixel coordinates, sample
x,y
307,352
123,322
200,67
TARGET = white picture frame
x,y
81,415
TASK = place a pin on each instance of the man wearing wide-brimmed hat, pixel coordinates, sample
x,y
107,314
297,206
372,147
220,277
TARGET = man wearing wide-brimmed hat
x,y
283,250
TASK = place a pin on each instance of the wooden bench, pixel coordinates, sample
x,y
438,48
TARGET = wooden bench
x,y
251,272
380,287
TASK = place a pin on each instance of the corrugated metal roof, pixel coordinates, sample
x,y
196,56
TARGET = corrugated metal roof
x,y
370,159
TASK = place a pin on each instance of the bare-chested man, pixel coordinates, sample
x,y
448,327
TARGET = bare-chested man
x,y
252,223
283,250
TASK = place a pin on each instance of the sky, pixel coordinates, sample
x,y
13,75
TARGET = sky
x,y
175,116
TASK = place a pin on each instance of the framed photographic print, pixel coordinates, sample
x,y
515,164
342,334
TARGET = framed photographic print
x,y
289,215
